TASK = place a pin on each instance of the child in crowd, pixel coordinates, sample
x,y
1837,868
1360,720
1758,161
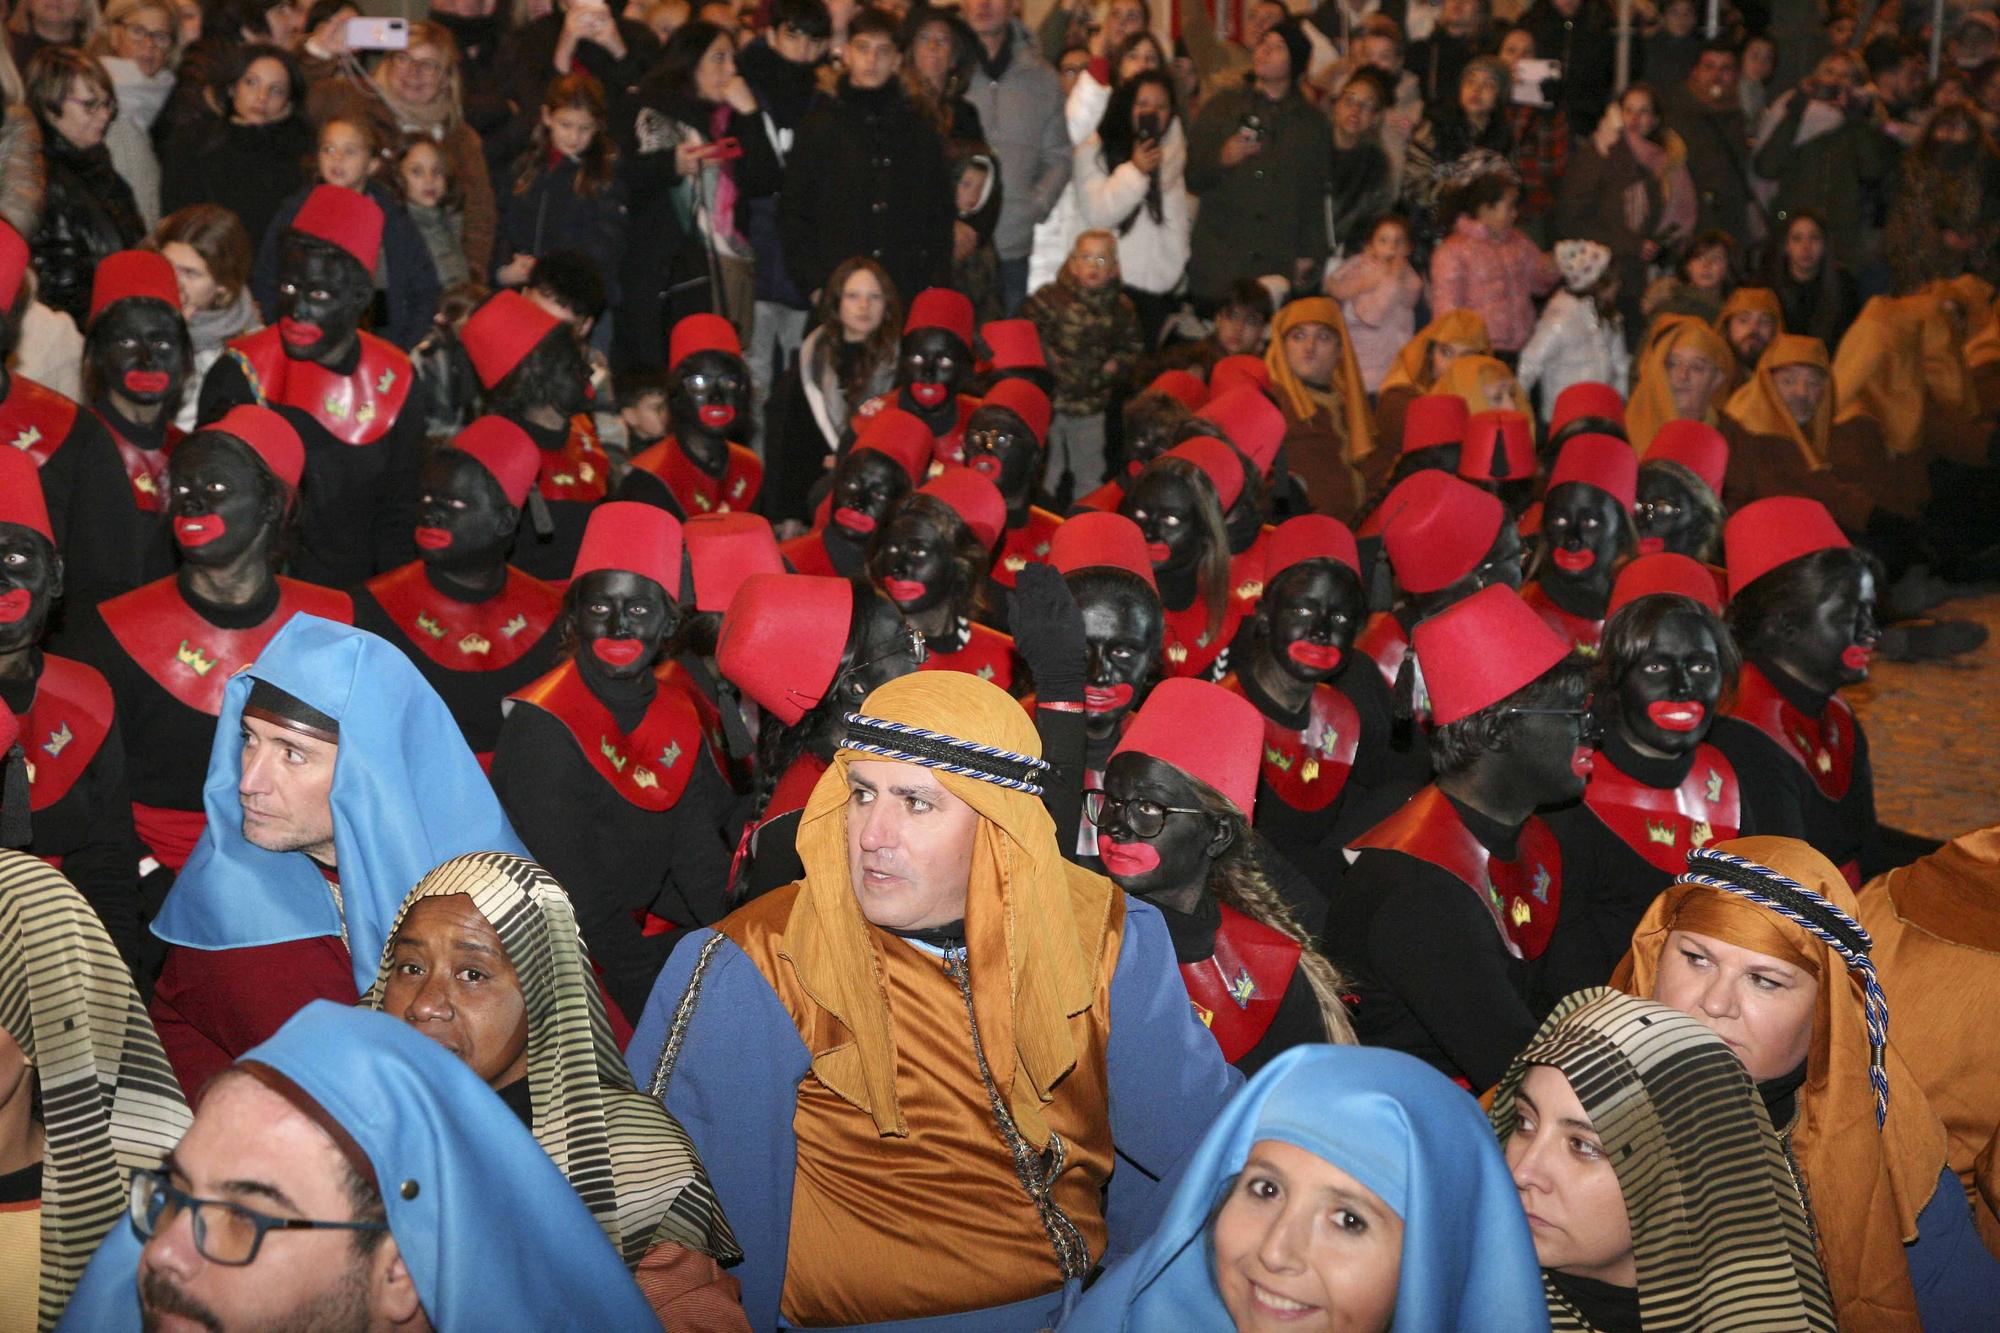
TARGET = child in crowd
x,y
1487,264
1090,332
975,264
1378,292
566,194
1580,336
435,203
642,408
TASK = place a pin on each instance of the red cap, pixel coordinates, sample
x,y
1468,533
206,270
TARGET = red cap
x,y
269,436
1438,530
1235,372
505,451
1432,420
1696,446
634,538
973,498
131,274
782,638
1310,537
1251,421
725,549
343,217
1025,401
13,264
1767,533
1016,344
943,308
702,333
1099,538
1476,652
501,333
21,498
1665,572
1221,464
1586,398
901,436
1206,732
1178,384
1600,461
1499,446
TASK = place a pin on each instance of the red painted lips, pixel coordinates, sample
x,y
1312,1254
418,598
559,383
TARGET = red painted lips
x,y
617,652
903,590
1856,657
1573,561
930,395
1675,715
299,333
433,539
1318,656
14,604
1157,552
717,415
147,381
853,520
1581,763
1652,545
1106,698
198,531
1128,858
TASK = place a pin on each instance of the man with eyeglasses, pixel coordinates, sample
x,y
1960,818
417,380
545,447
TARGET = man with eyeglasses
x,y
962,1041
352,1173
1447,902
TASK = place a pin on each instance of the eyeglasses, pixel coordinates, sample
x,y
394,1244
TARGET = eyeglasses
x,y
1095,261
224,1233
700,382
91,105
1587,726
150,36
1649,512
987,441
422,65
1142,817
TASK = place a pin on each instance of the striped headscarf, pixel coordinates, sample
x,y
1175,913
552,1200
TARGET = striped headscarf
x,y
624,1154
109,1099
1721,1242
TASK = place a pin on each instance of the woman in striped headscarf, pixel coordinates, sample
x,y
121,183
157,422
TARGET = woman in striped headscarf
x,y
86,1095
1656,1191
485,959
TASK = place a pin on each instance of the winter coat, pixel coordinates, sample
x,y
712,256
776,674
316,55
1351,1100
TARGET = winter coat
x,y
525,65
1571,344
1494,275
1020,104
1056,233
1091,339
129,136
785,92
87,213
1430,160
1267,211
404,273
804,422
22,180
443,230
1834,174
1152,254
1935,195
248,169
1587,46
1718,160
1364,188
550,215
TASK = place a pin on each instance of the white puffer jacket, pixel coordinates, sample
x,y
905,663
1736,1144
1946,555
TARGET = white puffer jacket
x,y
1056,233
1573,343
1152,256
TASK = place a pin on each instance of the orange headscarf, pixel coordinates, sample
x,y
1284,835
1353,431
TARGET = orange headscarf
x,y
1469,377
1866,1184
1758,408
1348,398
1882,368
1412,367
1762,300
1652,402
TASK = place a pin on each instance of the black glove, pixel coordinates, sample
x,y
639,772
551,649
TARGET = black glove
x,y
1048,634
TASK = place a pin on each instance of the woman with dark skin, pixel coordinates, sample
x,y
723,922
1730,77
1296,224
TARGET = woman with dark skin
x,y
699,468
1176,506
1679,509
931,559
892,454
1586,532
139,355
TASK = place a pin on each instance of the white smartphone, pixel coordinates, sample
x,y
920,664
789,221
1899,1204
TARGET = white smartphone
x,y
378,34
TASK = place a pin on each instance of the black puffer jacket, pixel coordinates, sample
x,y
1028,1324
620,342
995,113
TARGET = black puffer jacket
x,y
87,213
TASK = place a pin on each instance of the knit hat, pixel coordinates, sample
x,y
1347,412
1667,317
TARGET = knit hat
x,y
782,638
13,264
1438,530
1024,400
1499,446
1477,652
702,333
1665,572
21,500
1767,533
132,275
941,308
269,436
901,436
633,538
1586,398
1434,419
502,332
974,498
1309,537
1222,465
1600,461
505,451
344,218
1016,344
1187,389
1696,446
1100,539
1582,263
1297,45
724,550
1206,732
1249,419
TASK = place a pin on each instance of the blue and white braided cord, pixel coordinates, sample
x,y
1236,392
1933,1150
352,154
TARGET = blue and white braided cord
x,y
972,748
1875,1005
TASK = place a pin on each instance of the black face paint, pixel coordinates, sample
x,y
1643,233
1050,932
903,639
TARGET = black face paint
x,y
1667,517
1833,642
1667,695
1122,631
878,642
1163,505
1000,447
322,293
1178,857
866,486
1581,527
911,562
1310,616
30,581
710,393
555,376
139,348
218,499
933,365
1545,759
464,521
621,620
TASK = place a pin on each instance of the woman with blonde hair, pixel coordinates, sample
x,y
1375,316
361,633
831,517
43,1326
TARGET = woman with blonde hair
x,y
138,45
21,179
39,23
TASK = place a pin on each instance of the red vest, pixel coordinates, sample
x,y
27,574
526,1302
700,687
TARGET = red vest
x,y
1237,991
357,408
192,659
1664,825
1025,545
35,419
694,490
63,728
468,636
1823,745
1308,770
580,471
1523,895
650,766
1189,649
987,654
146,469
1246,574
1583,634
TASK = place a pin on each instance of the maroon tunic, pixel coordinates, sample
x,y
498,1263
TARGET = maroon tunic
x,y
212,1005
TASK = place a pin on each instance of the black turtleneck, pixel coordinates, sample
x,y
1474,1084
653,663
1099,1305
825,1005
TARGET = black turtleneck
x,y
519,1097
1781,1097
223,616
1664,772
627,698
1605,1306
1799,695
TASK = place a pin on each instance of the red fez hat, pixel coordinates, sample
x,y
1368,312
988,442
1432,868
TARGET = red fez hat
x,y
1310,537
901,436
501,333
725,549
1432,420
1499,446
1600,461
973,498
1016,344
1178,384
21,497
1438,530
943,308
1696,446
702,333
1767,533
1234,372
1251,420
1098,538
1206,732
269,436
343,217
1025,401
13,264
633,538
1476,652
782,638
1586,398
1665,572
1219,463
504,450
132,274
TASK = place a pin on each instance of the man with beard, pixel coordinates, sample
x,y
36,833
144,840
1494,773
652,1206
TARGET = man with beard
x,y
139,354
1751,317
890,456
347,393
699,468
1707,112
1586,532
932,370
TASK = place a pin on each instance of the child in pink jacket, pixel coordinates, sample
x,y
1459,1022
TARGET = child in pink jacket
x,y
1487,265
1378,293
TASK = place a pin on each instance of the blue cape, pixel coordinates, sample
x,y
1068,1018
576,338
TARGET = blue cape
x,y
494,1238
407,796
1400,1128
